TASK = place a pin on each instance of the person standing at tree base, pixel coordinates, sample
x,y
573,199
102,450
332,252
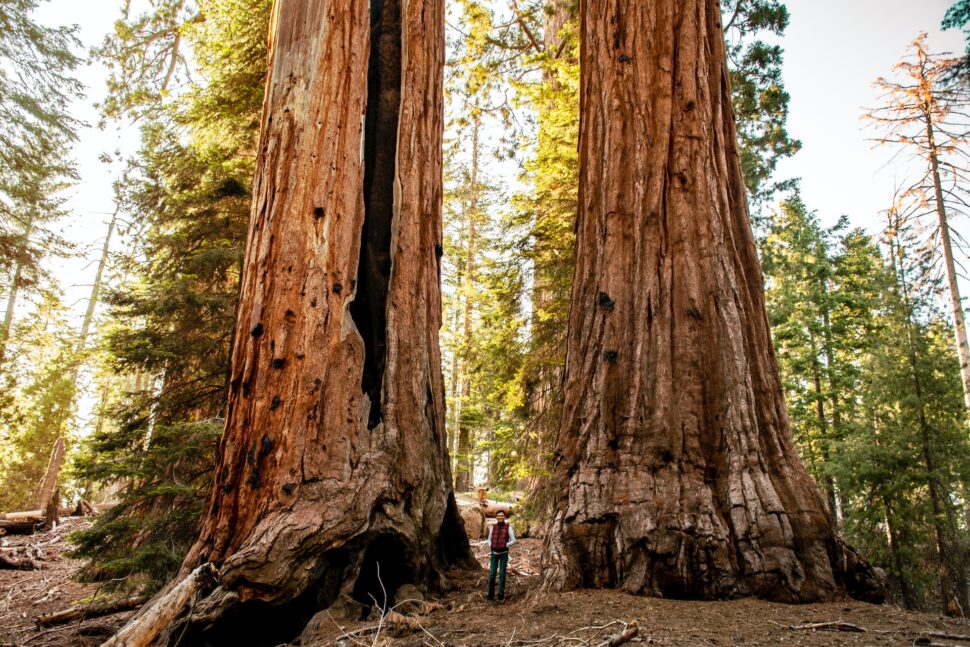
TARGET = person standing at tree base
x,y
500,537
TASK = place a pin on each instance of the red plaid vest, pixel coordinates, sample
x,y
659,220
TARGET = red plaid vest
x,y
500,537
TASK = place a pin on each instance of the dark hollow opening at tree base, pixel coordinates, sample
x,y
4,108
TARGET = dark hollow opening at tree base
x,y
386,567
257,624
369,307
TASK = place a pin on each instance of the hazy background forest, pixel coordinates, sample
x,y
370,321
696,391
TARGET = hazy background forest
x,y
127,151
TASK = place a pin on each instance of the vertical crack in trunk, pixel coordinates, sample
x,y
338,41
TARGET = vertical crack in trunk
x,y
369,308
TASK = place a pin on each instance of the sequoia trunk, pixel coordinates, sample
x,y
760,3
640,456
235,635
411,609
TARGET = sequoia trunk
x,y
675,472
333,479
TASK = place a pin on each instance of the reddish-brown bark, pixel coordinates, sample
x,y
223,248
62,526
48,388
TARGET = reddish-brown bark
x,y
675,471
334,457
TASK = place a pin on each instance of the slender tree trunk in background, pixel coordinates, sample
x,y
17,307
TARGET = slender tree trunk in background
x,y
333,479
823,427
952,582
557,13
95,297
837,434
454,392
676,473
905,590
956,304
466,459
7,324
8,313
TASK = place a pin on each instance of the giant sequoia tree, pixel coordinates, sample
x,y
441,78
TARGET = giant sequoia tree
x,y
675,469
333,479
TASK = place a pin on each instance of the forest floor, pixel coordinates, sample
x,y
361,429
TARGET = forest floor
x,y
464,617
26,595
593,618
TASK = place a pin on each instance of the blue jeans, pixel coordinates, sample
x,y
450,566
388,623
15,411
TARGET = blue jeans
x,y
498,561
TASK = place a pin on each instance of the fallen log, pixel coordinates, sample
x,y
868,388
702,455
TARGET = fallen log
x,y
629,633
29,514
11,564
944,636
141,631
492,509
84,611
22,526
829,626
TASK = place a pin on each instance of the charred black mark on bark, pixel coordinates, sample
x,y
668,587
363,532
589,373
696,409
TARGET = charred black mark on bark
x,y
369,308
624,58
257,330
265,446
318,213
338,288
606,302
289,487
279,363
275,404
611,356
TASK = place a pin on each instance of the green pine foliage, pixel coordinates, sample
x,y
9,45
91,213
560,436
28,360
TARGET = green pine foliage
x,y
759,96
168,341
37,86
36,132
36,399
958,17
874,396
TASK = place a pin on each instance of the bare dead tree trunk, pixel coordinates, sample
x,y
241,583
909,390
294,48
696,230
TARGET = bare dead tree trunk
x,y
823,427
333,478
676,473
47,486
956,303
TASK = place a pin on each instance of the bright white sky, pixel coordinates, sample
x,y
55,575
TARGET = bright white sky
x,y
834,50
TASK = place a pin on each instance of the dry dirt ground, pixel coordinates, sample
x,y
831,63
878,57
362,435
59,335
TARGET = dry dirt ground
x,y
25,595
464,617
